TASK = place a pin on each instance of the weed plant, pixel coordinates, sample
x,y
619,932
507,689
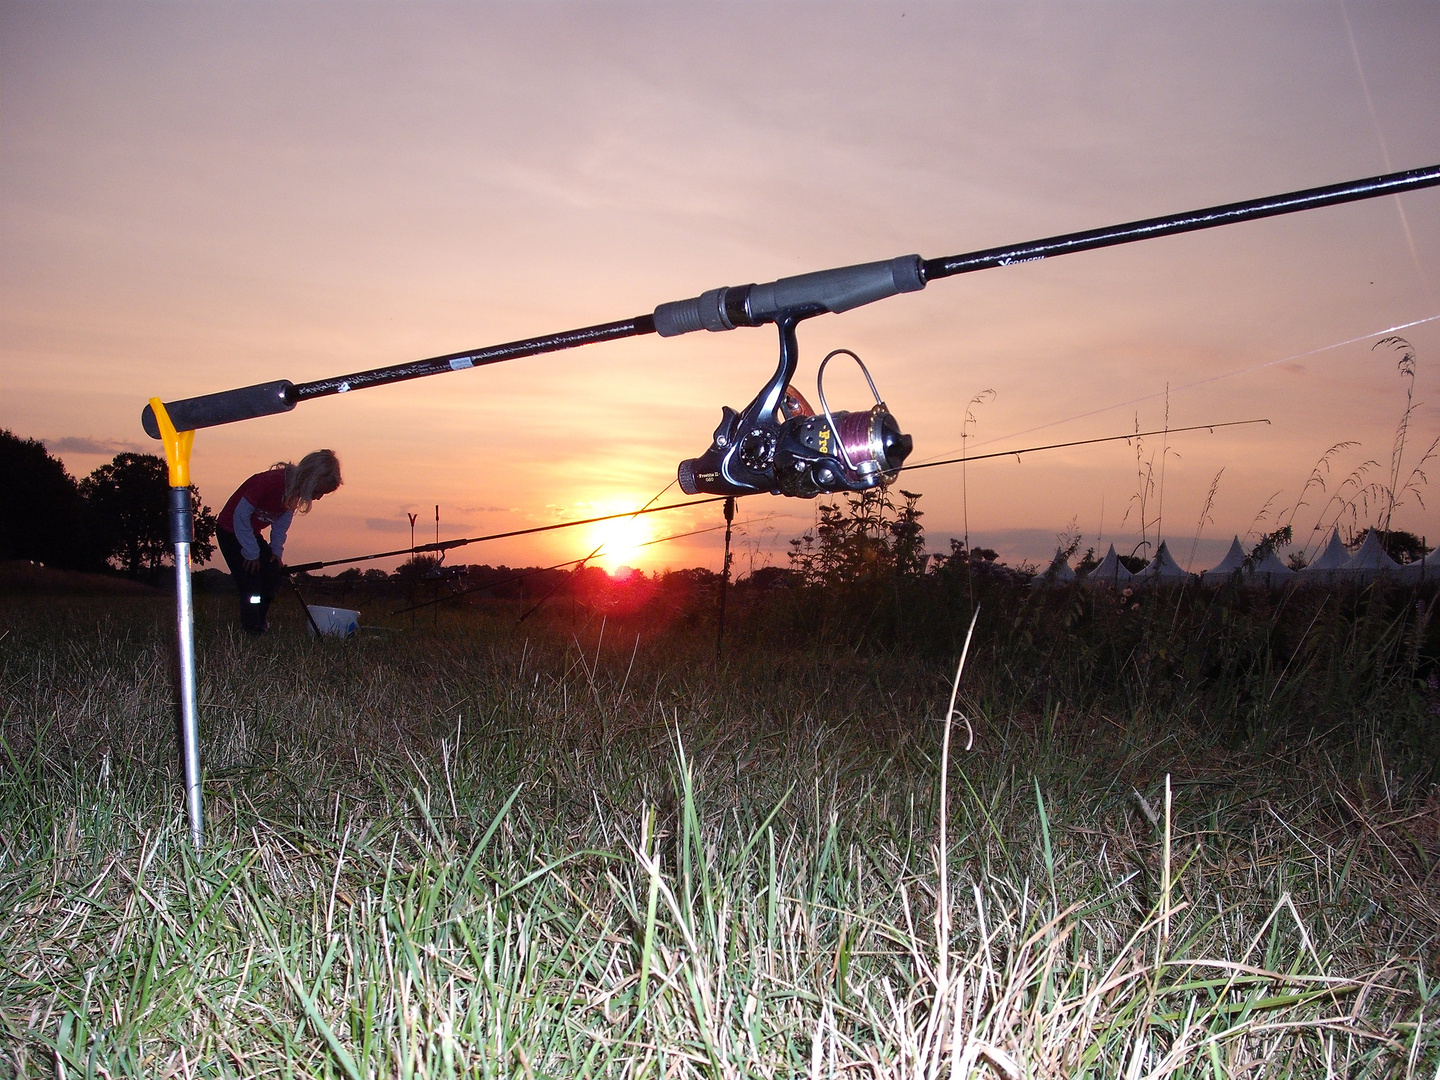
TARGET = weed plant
x,y
1191,837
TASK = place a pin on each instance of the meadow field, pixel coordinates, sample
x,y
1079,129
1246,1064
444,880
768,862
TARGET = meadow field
x,y
1182,834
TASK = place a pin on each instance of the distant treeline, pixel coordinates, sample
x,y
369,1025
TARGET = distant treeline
x,y
424,580
113,519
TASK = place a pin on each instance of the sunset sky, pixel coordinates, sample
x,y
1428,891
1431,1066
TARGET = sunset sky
x,y
200,196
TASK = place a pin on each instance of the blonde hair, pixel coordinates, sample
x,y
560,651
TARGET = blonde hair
x,y
318,473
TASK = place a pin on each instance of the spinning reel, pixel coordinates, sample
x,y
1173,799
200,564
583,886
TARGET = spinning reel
x,y
778,443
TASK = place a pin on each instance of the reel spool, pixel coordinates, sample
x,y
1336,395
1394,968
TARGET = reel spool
x,y
778,443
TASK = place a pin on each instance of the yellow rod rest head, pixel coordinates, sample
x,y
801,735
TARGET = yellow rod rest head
x,y
177,445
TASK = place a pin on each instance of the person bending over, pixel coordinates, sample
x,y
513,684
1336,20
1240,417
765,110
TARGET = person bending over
x,y
268,500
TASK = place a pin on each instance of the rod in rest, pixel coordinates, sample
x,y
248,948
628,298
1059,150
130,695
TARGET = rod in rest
x,y
226,407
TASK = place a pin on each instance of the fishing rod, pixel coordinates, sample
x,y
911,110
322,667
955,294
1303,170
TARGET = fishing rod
x,y
777,443
445,545
544,569
580,565
598,547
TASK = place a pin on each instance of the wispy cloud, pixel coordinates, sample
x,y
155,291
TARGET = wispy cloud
x,y
387,525
83,444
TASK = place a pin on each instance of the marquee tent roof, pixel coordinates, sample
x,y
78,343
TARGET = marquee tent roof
x,y
1325,565
1270,571
1057,573
1163,569
1371,561
1227,567
1426,569
1111,571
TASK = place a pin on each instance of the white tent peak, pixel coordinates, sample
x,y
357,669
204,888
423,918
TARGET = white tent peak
x,y
1332,558
1271,571
1227,567
1057,573
1372,556
1163,568
1111,571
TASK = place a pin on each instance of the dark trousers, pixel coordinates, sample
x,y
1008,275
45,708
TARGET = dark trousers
x,y
256,587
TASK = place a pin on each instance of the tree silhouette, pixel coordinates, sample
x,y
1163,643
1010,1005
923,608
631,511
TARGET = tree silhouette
x,y
128,500
41,512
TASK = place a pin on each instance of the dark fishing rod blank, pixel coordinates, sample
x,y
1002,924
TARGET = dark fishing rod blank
x,y
836,290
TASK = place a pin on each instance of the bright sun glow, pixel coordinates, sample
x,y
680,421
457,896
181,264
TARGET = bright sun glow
x,y
622,538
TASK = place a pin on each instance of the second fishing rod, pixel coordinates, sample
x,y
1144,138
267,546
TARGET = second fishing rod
x,y
440,547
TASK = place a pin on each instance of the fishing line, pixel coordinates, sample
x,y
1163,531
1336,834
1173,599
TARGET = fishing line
x,y
1384,147
1202,382
1079,442
556,588
541,602
445,545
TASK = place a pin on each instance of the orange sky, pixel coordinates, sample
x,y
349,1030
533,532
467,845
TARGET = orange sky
x,y
198,197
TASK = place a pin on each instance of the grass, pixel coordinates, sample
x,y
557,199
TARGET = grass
x,y
463,850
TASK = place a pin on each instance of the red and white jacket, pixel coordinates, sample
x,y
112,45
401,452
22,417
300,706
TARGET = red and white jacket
x,y
259,503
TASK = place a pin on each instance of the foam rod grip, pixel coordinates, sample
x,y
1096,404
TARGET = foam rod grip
x,y
226,407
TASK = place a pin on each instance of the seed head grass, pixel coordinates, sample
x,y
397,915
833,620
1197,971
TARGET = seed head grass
x,y
464,849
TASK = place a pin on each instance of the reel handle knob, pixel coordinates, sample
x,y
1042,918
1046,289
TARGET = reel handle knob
x,y
686,475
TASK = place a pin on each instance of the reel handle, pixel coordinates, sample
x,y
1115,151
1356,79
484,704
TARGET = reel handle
x,y
835,291
211,410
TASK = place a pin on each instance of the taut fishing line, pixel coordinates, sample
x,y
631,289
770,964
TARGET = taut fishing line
x,y
541,602
1078,442
648,509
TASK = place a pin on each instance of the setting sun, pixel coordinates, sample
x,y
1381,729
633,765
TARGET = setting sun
x,y
623,540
